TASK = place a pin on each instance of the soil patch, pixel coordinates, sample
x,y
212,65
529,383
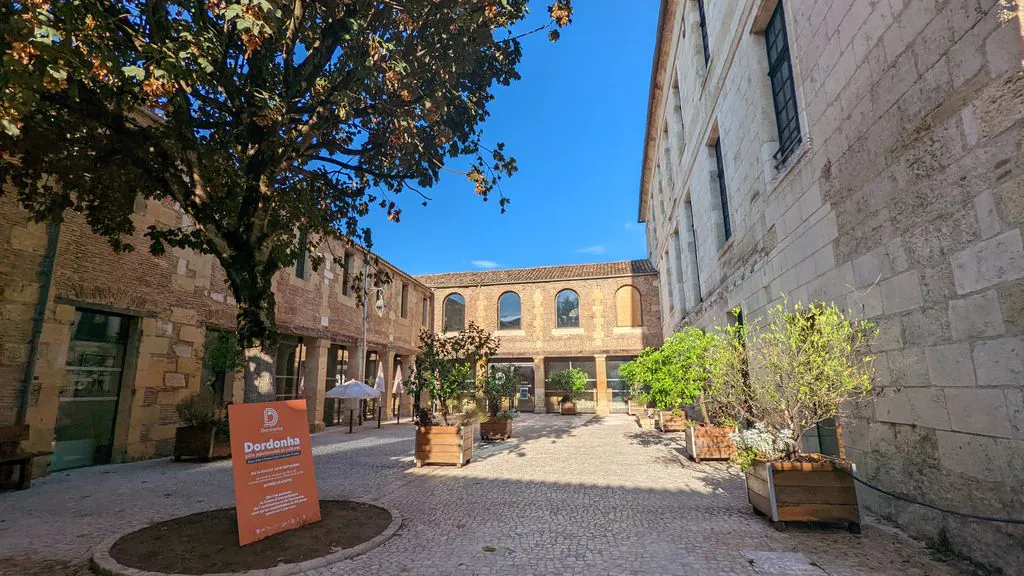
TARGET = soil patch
x,y
207,542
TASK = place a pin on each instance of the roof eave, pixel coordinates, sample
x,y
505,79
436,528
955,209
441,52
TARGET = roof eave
x,y
656,73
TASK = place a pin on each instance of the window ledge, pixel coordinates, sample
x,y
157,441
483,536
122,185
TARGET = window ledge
x,y
566,331
780,174
726,247
511,332
628,330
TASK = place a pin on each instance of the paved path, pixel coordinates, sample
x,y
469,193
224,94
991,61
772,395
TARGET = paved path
x,y
569,495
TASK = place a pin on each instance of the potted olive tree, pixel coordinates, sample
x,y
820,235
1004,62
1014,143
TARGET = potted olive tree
x,y
204,435
804,364
499,385
571,382
445,368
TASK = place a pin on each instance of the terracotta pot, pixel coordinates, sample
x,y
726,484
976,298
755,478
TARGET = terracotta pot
x,y
201,443
444,445
568,408
802,492
496,429
710,443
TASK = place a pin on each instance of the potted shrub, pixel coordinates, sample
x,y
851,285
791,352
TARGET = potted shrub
x,y
804,364
204,435
572,382
445,368
500,383
670,376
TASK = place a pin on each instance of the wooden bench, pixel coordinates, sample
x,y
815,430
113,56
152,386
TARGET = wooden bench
x,y
11,454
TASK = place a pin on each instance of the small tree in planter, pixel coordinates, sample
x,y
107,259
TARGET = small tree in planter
x,y
205,432
571,381
445,368
500,383
804,364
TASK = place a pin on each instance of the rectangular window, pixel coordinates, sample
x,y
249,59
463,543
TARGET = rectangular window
x,y
346,275
780,71
425,320
723,196
288,365
405,300
704,32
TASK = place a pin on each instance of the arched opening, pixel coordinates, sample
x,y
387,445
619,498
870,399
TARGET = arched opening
x,y
628,311
510,312
567,309
454,313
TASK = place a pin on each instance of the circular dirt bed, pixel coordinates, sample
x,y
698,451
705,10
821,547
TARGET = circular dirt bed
x,y
207,542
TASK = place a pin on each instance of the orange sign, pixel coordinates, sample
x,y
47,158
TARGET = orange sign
x,y
275,486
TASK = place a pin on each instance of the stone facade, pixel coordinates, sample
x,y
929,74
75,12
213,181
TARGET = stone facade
x,y
619,316
903,202
169,303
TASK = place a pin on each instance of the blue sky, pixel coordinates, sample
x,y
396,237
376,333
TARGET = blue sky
x,y
575,124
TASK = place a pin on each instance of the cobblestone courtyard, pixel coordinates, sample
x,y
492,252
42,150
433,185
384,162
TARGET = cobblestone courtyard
x,y
566,496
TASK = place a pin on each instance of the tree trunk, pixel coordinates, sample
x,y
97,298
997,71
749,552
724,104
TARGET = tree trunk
x,y
259,374
704,410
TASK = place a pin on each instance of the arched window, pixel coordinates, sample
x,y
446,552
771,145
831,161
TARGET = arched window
x,y
510,312
454,313
627,307
567,309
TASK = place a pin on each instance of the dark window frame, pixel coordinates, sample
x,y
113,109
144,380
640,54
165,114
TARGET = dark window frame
x,y
346,274
444,312
518,323
300,264
558,323
405,300
425,312
723,194
704,33
780,75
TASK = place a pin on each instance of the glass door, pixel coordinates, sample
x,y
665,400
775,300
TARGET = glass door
x,y
88,395
618,389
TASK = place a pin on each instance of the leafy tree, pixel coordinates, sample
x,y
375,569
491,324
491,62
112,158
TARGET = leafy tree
x,y
804,364
273,124
571,381
674,374
501,381
446,363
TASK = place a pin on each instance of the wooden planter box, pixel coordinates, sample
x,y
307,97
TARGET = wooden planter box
x,y
645,422
568,408
669,423
802,492
444,445
496,429
709,443
200,443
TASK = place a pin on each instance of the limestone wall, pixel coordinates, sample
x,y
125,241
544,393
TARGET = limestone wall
x,y
904,203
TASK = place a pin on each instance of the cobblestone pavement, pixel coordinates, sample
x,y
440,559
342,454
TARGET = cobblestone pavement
x,y
567,495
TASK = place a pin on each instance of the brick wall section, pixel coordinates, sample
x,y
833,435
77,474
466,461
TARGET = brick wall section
x,y
173,299
904,203
598,335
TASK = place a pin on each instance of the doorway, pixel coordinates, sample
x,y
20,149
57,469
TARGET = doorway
x,y
89,394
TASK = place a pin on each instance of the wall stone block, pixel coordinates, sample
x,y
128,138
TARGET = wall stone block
x,y
976,316
950,365
1000,362
979,411
989,262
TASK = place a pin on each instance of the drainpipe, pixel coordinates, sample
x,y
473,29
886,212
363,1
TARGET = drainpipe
x,y
46,281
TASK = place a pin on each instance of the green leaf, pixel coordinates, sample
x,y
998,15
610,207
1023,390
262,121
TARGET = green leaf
x,y
134,72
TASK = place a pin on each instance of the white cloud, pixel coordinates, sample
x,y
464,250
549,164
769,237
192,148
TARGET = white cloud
x,y
596,249
484,263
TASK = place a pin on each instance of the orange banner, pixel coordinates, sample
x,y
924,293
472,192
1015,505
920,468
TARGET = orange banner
x,y
275,486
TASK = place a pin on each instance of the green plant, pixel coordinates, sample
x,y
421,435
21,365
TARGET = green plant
x,y
571,381
500,382
446,364
674,374
222,352
804,364
203,410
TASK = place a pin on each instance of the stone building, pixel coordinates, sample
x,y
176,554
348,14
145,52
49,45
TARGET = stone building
x,y
96,348
591,316
865,152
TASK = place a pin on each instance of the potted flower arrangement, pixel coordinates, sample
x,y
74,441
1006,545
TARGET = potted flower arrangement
x,y
205,433
445,368
572,382
804,364
500,383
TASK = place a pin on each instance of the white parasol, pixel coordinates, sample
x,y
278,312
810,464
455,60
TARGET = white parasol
x,y
379,385
398,388
353,389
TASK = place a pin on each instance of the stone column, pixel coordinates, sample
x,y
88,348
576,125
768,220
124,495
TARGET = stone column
x,y
600,360
540,402
314,379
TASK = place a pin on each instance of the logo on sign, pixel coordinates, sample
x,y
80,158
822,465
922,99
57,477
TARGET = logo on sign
x,y
270,420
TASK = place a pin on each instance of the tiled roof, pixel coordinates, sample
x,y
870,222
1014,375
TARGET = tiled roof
x,y
539,274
